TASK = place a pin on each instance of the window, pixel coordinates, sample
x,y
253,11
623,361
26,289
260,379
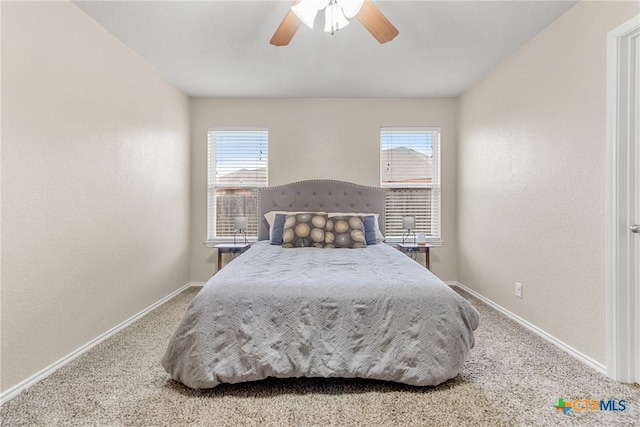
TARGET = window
x,y
237,169
410,175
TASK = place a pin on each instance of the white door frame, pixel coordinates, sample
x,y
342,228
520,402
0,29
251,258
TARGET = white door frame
x,y
623,297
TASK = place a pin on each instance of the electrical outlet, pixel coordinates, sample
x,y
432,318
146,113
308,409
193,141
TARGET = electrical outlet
x,y
519,290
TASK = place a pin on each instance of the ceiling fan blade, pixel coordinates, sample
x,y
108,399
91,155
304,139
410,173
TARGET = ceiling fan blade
x,y
376,23
286,30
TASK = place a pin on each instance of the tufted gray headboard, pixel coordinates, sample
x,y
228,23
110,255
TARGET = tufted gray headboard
x,y
320,195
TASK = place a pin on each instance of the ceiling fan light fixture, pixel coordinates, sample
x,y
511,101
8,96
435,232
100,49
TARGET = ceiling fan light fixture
x,y
334,18
306,10
337,15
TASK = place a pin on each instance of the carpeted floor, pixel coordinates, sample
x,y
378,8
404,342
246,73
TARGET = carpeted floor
x,y
512,377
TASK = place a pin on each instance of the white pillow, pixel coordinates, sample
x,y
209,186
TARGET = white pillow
x,y
271,217
379,235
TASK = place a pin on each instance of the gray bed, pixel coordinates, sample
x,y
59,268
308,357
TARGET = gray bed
x,y
317,312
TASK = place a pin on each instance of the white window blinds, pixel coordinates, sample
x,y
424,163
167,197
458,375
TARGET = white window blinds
x,y
410,175
237,168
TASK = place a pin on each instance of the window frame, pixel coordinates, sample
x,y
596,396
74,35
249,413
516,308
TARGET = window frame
x,y
212,237
435,185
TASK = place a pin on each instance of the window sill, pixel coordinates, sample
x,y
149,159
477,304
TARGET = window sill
x,y
397,240
218,240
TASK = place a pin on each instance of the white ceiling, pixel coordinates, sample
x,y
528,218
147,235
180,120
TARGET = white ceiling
x,y
221,48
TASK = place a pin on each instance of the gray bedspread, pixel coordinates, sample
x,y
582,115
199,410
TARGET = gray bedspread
x,y
308,312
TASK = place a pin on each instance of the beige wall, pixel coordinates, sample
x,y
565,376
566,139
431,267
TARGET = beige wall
x,y
95,185
531,178
321,139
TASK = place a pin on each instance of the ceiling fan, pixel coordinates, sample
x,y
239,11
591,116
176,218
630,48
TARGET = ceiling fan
x,y
337,15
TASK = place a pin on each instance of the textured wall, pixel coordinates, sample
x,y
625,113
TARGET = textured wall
x,y
95,185
321,139
531,184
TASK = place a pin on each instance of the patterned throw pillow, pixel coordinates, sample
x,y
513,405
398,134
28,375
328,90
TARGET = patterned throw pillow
x,y
344,232
379,236
304,230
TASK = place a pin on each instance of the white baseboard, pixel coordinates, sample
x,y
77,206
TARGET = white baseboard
x,y
550,338
20,387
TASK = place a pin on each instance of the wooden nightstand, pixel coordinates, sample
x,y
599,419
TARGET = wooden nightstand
x,y
230,248
424,249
